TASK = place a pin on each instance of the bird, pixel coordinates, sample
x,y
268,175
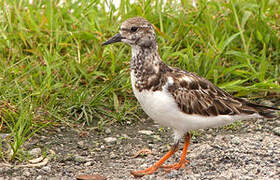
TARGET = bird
x,y
176,98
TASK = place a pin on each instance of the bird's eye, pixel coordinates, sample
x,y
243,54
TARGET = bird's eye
x,y
134,29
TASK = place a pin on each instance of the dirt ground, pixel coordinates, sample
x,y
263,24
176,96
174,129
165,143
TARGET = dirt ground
x,y
249,151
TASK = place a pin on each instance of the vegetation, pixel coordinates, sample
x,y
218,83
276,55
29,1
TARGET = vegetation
x,y
53,68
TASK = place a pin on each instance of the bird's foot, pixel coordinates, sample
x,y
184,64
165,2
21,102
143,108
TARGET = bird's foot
x,y
176,166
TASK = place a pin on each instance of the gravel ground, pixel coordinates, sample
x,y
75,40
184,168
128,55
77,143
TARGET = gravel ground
x,y
249,151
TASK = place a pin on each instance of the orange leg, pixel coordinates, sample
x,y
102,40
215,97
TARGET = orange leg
x,y
153,168
183,160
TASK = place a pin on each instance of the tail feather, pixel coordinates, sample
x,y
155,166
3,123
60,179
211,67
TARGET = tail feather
x,y
265,111
262,106
268,114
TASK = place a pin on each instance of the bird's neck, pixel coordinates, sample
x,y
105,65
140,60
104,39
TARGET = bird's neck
x,y
147,69
144,58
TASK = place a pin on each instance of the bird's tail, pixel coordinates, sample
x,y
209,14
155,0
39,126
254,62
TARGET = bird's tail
x,y
265,111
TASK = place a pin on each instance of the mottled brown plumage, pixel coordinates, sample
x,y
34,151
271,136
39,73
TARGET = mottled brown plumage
x,y
196,95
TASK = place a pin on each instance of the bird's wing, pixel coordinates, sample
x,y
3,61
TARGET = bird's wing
x,y
196,95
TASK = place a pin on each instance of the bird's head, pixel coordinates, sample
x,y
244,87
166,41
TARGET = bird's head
x,y
135,31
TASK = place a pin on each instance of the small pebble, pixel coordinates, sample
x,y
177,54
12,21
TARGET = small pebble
x,y
39,177
26,173
157,137
276,131
81,143
108,131
79,159
35,152
113,155
110,139
235,140
46,168
88,163
146,132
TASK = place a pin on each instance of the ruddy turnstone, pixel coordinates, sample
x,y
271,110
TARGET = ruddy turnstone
x,y
176,98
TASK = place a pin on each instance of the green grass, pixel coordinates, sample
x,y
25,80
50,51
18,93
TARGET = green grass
x,y
53,68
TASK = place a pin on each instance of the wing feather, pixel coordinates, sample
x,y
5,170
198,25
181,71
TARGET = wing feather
x,y
196,95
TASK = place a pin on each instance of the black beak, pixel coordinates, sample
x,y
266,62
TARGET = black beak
x,y
114,39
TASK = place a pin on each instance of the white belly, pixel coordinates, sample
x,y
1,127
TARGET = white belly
x,y
161,107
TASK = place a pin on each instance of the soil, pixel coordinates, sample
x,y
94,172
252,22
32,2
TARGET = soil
x,y
247,150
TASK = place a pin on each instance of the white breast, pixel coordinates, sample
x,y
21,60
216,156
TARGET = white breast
x,y
161,107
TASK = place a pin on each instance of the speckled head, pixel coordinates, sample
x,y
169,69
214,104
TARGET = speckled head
x,y
135,31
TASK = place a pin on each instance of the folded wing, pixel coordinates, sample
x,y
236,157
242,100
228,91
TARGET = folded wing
x,y
196,95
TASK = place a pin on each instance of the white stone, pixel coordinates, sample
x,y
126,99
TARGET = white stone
x,y
26,173
35,152
147,132
108,131
39,177
87,164
276,131
110,139
81,143
46,168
